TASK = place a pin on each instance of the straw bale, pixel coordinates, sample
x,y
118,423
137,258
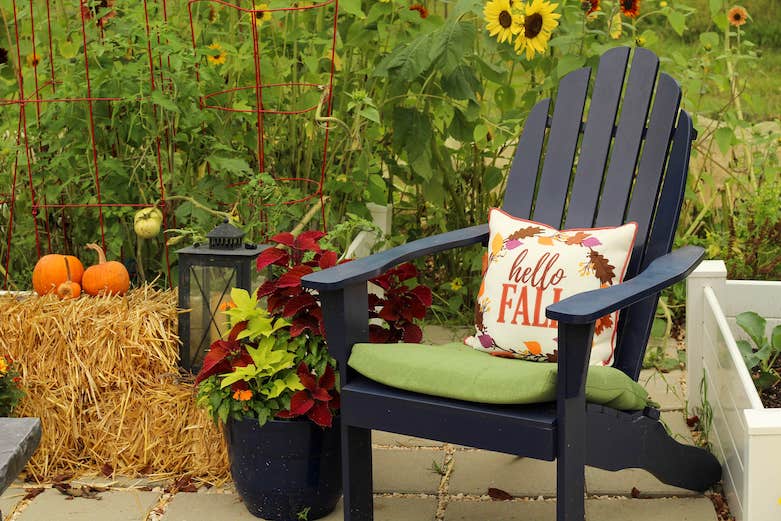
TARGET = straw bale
x,y
102,374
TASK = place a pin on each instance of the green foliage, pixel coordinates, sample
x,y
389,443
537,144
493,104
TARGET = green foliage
x,y
10,391
425,115
761,357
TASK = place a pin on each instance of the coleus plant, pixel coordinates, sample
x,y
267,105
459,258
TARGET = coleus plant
x,y
258,368
294,257
275,361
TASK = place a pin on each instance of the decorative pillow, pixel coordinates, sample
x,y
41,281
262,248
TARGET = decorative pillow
x,y
530,266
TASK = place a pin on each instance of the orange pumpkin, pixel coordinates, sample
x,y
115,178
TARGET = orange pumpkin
x,y
69,288
50,271
106,276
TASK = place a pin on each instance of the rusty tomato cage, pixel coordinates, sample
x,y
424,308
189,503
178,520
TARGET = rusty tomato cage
x,y
285,58
53,60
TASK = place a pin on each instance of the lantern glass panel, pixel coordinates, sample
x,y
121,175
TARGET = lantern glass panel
x,y
210,289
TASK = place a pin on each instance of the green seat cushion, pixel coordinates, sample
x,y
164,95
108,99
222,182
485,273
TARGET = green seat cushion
x,y
460,372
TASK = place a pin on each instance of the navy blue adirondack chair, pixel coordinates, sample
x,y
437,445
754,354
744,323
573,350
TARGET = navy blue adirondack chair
x,y
645,187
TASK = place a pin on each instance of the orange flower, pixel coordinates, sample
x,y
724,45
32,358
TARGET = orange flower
x,y
737,16
590,6
420,8
630,8
242,396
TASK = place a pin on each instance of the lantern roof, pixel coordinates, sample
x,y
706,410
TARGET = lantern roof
x,y
226,237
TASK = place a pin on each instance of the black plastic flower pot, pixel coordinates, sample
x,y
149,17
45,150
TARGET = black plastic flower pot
x,y
285,470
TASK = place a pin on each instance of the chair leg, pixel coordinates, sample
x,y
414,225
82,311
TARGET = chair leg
x,y
357,473
570,481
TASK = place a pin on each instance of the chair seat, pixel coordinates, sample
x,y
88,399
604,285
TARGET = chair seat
x,y
462,373
449,420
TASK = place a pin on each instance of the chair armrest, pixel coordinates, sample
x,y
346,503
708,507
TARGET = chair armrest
x,y
661,273
362,270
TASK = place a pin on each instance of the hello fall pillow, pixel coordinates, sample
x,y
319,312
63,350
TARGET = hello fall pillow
x,y
530,266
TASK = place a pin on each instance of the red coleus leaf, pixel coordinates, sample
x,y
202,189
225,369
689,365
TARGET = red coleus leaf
x,y
298,303
336,401
241,385
275,302
412,309
412,334
307,378
301,403
302,323
327,259
328,380
216,360
423,294
321,414
404,271
389,312
321,395
285,238
378,334
242,360
267,288
285,414
235,330
308,241
271,256
292,278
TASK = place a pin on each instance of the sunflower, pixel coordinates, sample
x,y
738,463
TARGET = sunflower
x,y
737,16
501,20
218,54
420,8
33,60
261,13
630,8
539,21
590,6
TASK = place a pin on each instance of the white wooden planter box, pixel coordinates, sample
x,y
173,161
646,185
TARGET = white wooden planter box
x,y
746,437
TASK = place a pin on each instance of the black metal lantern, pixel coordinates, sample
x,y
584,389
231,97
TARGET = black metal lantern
x,y
206,276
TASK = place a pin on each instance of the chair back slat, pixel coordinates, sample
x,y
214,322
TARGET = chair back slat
x,y
629,135
668,209
649,172
522,181
597,138
562,141
635,324
646,188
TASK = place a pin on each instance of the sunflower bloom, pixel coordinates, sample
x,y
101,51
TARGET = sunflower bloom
x,y
420,8
590,6
539,21
218,54
737,16
33,60
501,20
261,13
3,366
630,8
242,396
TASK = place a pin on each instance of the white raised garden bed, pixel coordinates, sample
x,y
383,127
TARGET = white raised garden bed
x,y
746,437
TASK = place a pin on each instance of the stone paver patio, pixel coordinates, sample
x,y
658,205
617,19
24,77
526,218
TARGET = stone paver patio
x,y
414,480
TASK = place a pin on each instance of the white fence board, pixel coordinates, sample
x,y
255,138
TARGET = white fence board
x,y
745,436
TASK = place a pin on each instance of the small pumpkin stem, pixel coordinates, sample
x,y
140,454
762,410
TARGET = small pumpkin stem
x,y
101,253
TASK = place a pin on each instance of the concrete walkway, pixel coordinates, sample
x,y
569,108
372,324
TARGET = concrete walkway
x,y
414,480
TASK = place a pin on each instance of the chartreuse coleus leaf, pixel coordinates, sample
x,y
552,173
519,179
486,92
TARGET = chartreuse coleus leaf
x,y
267,361
259,322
